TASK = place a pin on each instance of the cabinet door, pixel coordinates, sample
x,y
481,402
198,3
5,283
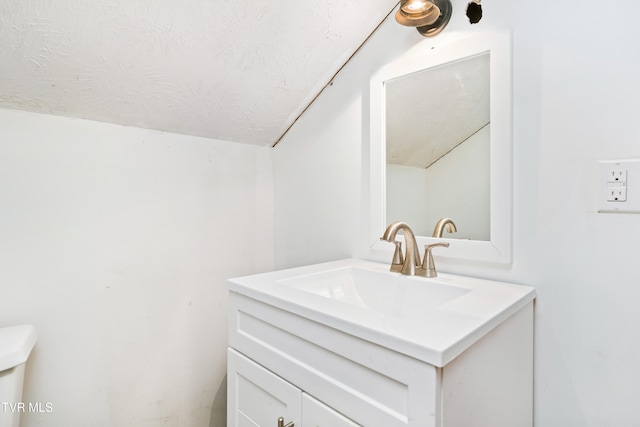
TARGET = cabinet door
x,y
257,397
317,414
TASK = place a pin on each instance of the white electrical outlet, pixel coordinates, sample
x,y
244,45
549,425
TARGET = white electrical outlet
x,y
617,174
620,191
617,193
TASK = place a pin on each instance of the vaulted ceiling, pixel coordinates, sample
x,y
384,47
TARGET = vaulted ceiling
x,y
235,70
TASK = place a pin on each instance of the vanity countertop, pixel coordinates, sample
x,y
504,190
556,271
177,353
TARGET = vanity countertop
x,y
430,319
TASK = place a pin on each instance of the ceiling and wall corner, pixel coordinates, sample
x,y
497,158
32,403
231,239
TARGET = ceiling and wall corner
x,y
238,71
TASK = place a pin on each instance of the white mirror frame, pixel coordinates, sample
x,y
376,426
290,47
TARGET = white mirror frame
x,y
423,56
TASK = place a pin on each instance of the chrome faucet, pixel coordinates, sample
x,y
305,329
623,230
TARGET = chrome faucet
x,y
440,227
411,263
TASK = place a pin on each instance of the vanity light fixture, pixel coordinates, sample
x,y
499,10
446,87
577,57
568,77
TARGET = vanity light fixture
x,y
428,16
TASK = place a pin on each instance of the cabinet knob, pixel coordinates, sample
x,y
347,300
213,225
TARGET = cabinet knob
x,y
282,424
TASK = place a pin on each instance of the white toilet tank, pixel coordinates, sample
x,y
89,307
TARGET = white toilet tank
x,y
16,343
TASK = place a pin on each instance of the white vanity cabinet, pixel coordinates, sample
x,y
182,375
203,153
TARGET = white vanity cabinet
x,y
277,358
316,361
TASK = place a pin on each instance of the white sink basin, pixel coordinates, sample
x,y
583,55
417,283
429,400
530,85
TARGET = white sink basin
x,y
382,292
433,320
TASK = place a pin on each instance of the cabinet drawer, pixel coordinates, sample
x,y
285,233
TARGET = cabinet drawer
x,y
366,382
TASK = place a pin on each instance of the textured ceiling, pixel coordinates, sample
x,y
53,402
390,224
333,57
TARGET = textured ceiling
x,y
235,70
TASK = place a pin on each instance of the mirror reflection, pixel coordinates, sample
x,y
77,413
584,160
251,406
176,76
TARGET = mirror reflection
x,y
438,148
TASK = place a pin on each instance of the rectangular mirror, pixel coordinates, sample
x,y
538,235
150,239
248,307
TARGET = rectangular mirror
x,y
441,145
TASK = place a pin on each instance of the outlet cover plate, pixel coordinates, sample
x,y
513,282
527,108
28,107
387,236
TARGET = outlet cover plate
x,y
617,175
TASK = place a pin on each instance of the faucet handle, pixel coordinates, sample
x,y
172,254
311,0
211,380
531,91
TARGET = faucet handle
x,y
398,258
428,264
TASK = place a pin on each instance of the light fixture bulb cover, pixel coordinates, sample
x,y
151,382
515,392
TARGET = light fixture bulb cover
x,y
425,15
429,16
416,6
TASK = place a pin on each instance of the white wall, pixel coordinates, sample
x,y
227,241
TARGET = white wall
x,y
115,243
406,197
421,197
575,101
